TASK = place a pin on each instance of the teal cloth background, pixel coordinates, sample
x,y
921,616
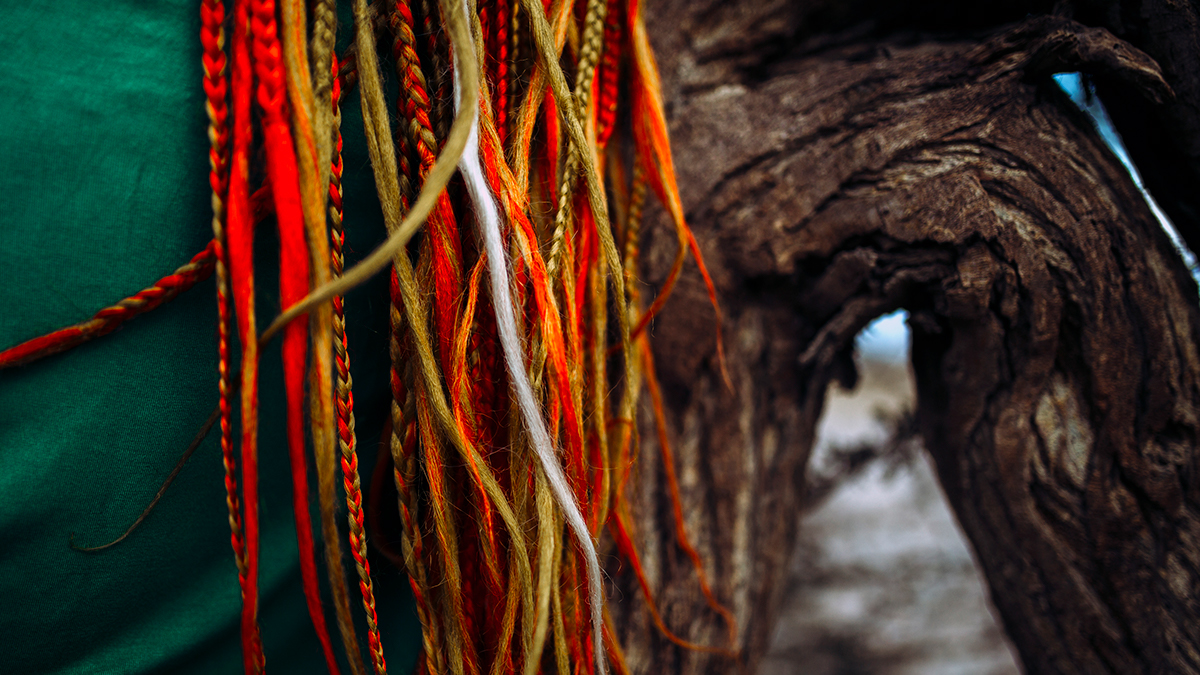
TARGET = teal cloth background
x,y
103,144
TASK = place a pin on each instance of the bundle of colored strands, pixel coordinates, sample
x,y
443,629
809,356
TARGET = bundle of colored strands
x,y
484,423
518,338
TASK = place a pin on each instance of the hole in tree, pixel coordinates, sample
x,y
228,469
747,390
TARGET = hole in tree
x,y
882,580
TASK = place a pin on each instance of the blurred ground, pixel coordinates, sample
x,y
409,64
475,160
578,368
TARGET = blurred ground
x,y
882,582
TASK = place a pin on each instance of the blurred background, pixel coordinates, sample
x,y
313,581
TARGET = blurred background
x,y
882,581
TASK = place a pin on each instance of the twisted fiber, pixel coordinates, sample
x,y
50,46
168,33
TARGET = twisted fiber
x,y
229,461
503,185
459,649
514,201
112,317
438,53
534,95
610,70
404,457
521,477
324,71
309,157
598,364
447,251
403,440
432,401
500,47
311,151
466,419
403,54
430,395
549,525
543,41
312,143
382,153
458,376
403,444
589,55
345,399
212,38
283,175
481,25
401,434
561,654
493,259
443,251
519,595
240,235
633,224
503,663
429,387
414,305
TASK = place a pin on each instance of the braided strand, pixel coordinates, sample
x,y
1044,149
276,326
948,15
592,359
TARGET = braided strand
x,y
348,441
114,316
212,37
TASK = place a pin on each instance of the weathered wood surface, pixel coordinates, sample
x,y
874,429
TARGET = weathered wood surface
x,y
831,178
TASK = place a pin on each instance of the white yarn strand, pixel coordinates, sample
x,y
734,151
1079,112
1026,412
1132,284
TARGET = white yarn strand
x,y
488,222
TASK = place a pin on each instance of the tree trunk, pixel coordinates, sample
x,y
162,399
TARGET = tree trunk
x,y
835,171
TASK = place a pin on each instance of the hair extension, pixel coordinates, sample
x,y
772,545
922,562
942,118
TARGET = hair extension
x,y
282,173
324,74
240,235
511,434
345,402
216,84
379,146
309,155
488,221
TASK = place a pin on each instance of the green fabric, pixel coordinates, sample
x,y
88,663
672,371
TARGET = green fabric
x,y
103,144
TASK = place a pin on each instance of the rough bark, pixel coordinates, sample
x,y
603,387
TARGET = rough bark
x,y
835,177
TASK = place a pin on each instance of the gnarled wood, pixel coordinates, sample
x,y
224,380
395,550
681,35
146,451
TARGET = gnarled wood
x,y
1055,329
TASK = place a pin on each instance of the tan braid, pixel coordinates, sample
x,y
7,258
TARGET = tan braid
x,y
347,438
214,61
589,56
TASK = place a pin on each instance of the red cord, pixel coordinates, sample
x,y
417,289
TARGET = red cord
x,y
240,232
110,318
